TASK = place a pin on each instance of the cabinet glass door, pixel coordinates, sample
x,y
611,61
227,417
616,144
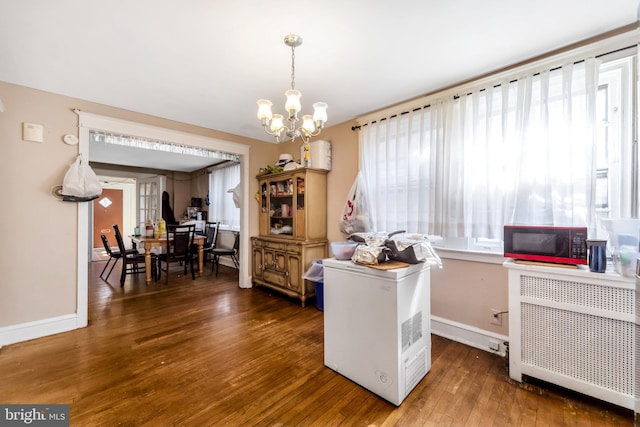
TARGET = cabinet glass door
x,y
282,206
299,212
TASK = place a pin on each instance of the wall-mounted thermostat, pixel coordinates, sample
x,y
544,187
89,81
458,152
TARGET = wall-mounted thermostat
x,y
32,132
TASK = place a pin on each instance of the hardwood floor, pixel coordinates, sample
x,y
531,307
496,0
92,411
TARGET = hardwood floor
x,y
205,352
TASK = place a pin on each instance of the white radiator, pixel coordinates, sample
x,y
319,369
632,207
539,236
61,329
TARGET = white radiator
x,y
573,328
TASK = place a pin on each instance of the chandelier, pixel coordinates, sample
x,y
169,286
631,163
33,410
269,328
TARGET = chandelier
x,y
274,124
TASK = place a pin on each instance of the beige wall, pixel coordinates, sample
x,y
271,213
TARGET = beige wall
x,y
39,232
463,291
181,194
199,188
466,292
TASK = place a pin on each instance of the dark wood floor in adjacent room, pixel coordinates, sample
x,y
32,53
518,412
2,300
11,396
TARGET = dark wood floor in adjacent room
x,y
205,352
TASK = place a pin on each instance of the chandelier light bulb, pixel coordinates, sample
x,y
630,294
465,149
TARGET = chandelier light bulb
x,y
307,124
293,102
320,112
277,123
264,109
274,124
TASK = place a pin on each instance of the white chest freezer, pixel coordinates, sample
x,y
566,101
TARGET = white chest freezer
x,y
377,326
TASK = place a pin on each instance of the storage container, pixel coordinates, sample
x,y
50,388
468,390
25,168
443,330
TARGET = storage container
x,y
624,236
315,274
343,250
319,154
320,296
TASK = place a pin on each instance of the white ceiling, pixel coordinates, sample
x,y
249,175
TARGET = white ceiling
x,y
206,62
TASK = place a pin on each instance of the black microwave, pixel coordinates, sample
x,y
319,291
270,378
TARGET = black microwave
x,y
566,245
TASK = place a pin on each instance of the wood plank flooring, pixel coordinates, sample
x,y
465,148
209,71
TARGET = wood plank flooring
x,y
205,352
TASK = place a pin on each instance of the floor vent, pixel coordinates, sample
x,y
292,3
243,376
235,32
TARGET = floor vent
x,y
415,370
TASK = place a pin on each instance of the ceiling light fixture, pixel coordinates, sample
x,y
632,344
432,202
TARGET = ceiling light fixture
x,y
274,124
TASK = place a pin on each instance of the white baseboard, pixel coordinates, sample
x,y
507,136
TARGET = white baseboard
x,y
37,329
469,335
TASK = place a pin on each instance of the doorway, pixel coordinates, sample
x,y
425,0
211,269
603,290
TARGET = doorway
x,y
124,215
89,122
107,210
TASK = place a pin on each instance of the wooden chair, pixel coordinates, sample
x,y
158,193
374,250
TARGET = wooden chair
x,y
179,248
113,256
131,261
232,252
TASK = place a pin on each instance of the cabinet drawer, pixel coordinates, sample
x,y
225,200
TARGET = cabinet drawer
x,y
275,245
274,278
294,248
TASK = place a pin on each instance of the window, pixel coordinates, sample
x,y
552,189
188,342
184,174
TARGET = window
x,y
222,208
615,168
549,148
149,204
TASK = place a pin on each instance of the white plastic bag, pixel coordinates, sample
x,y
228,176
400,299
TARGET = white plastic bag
x,y
355,214
315,273
80,183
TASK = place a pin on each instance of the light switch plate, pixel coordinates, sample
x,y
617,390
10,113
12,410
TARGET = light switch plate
x,y
32,132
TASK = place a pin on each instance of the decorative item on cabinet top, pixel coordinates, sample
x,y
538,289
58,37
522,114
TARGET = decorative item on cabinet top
x,y
319,157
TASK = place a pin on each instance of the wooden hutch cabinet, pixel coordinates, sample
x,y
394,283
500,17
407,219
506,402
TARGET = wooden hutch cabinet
x,y
293,230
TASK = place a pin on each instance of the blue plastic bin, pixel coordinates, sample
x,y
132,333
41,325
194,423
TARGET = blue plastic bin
x,y
320,296
316,274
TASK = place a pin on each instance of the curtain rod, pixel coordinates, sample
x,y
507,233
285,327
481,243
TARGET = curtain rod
x,y
358,127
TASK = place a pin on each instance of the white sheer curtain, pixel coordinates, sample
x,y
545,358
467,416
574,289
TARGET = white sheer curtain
x,y
222,207
554,128
519,152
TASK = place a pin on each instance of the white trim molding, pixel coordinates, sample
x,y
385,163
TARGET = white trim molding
x,y
39,328
469,335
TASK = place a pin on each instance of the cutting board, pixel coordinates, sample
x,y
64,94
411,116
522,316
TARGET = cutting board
x,y
544,264
389,265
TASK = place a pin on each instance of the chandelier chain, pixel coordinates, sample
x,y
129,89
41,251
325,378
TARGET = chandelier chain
x,y
305,127
293,67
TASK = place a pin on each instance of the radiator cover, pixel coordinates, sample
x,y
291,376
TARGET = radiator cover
x,y
573,328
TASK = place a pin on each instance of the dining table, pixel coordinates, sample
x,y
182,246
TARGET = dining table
x,y
150,242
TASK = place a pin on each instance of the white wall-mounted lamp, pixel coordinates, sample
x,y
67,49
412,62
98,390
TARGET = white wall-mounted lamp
x,y
2,109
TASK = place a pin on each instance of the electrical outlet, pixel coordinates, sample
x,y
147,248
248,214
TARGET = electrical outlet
x,y
494,345
496,317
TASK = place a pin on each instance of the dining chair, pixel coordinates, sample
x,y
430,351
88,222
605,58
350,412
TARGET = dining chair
x,y
211,239
179,247
114,255
131,261
230,252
